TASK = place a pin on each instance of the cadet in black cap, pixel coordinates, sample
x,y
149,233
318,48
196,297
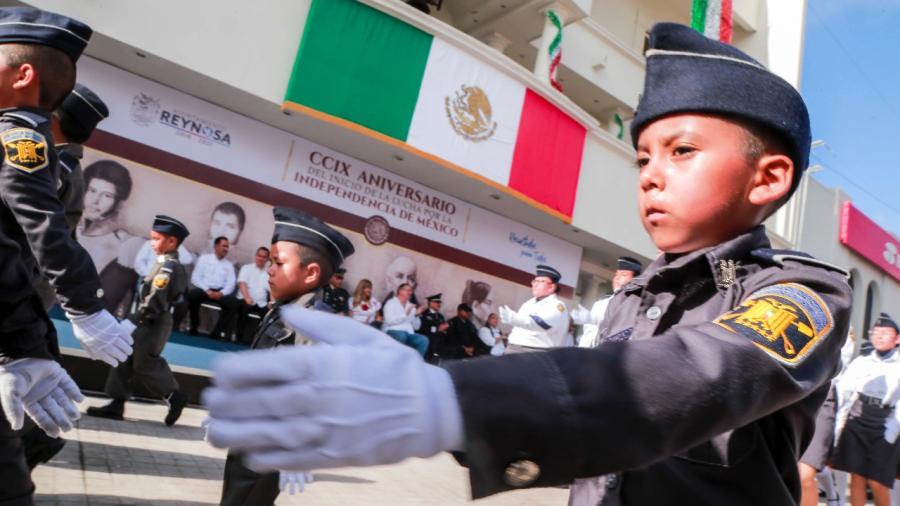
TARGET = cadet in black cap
x,y
712,363
305,253
158,290
541,322
334,295
38,51
434,327
626,269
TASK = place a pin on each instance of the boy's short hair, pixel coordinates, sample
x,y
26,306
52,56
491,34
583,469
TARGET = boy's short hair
x,y
313,256
55,70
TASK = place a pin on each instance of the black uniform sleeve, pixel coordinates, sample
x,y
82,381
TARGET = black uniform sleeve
x,y
587,412
33,202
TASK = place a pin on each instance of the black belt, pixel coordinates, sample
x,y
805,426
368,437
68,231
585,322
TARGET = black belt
x,y
869,400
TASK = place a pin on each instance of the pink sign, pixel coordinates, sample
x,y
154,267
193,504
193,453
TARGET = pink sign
x,y
865,237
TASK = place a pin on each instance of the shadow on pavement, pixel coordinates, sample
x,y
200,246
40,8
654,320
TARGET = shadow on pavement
x,y
78,499
339,478
127,460
140,427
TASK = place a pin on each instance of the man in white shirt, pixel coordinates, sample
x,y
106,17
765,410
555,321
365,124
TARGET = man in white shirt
x,y
543,321
213,279
401,319
252,297
626,270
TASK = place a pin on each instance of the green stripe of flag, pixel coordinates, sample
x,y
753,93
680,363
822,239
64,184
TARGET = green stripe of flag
x,y
698,15
361,65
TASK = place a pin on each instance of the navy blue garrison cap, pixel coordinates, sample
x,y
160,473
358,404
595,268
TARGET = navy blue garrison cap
x,y
296,226
688,72
170,226
434,298
82,110
628,264
547,271
26,25
885,320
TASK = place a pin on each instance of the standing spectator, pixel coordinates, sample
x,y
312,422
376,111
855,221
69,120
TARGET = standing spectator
x,y
334,295
491,336
434,327
401,319
868,417
478,295
462,335
542,322
252,296
626,270
213,279
365,307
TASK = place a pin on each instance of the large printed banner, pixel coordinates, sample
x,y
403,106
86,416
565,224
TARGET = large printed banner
x,y
165,119
874,243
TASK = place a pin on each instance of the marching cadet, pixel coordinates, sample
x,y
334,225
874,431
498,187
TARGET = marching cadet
x,y
542,322
38,51
305,253
712,363
626,269
434,327
163,286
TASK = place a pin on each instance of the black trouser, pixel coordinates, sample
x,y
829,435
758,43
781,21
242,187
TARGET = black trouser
x,y
242,486
146,364
197,296
16,487
234,316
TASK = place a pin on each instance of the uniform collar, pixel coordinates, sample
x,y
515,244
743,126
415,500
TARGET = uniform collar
x,y
71,148
730,252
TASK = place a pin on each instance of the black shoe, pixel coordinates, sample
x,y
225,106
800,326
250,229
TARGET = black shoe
x,y
193,331
177,401
114,410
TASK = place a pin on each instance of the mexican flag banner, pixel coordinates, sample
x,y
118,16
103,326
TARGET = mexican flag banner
x,y
366,67
713,19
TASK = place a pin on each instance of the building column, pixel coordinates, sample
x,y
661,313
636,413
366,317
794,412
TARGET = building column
x,y
497,41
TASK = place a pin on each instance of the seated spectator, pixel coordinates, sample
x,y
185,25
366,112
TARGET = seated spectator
x,y
252,297
462,336
401,319
491,336
364,307
334,295
213,279
434,327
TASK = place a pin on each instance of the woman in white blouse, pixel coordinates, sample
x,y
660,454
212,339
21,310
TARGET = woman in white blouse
x,y
491,336
364,307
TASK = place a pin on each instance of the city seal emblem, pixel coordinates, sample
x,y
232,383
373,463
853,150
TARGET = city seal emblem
x,y
470,115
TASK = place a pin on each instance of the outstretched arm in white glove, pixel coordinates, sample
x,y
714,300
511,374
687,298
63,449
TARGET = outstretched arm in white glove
x,y
581,315
364,400
293,482
103,337
42,389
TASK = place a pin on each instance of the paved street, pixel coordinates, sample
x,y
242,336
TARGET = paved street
x,y
141,461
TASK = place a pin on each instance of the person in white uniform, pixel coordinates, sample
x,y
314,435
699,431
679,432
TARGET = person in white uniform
x,y
626,269
542,322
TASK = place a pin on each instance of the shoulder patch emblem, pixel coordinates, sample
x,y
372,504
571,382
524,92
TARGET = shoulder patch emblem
x,y
161,281
25,149
561,308
787,321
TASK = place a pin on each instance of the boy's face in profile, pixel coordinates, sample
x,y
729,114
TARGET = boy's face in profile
x,y
288,277
694,182
162,243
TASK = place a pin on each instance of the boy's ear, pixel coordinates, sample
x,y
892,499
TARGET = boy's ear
x,y
313,274
773,179
25,76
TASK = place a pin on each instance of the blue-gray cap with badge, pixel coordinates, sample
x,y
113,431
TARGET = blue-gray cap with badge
x,y
548,272
690,73
170,226
27,25
885,320
296,226
628,264
81,111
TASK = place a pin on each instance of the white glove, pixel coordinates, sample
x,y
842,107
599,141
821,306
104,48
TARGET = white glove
x,y
42,389
364,400
506,314
103,337
580,315
892,427
293,482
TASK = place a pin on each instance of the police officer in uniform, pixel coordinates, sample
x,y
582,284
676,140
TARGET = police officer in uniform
x,y
160,289
712,363
434,327
305,251
334,295
541,322
39,50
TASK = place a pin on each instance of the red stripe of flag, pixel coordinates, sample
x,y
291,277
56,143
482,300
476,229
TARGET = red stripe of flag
x,y
725,28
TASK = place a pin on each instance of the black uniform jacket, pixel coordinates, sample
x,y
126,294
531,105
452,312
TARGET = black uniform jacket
x,y
163,286
35,240
704,392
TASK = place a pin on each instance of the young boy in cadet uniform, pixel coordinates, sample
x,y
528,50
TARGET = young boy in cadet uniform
x,y
159,290
712,365
305,253
38,51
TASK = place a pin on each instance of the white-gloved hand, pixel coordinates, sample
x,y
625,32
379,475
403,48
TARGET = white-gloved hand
x,y
293,482
103,337
892,426
580,315
42,389
506,314
364,400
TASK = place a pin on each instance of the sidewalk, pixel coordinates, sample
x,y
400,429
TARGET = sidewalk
x,y
140,461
